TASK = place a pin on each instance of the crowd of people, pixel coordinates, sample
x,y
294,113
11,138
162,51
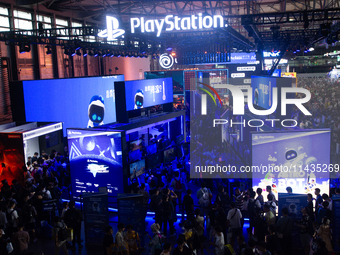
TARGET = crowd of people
x,y
23,216
215,225
324,106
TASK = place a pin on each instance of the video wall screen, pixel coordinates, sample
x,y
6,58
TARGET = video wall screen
x,y
11,157
303,158
137,169
146,93
262,91
95,161
78,102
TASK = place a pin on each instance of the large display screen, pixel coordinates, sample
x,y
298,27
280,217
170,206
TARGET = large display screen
x,y
262,91
95,161
78,102
304,157
146,93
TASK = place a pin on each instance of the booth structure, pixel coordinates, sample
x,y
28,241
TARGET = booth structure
x,y
18,141
147,133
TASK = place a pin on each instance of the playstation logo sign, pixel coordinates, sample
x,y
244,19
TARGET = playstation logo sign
x,y
112,31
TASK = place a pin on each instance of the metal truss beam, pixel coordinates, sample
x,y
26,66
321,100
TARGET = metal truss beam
x,y
289,17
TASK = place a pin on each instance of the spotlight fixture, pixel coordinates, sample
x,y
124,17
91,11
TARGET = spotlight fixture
x,y
84,53
48,51
72,52
78,52
24,47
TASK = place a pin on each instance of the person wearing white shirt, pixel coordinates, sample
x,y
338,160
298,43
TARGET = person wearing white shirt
x,y
234,217
219,240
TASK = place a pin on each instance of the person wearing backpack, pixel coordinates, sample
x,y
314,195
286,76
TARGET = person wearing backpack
x,y
178,186
234,218
12,218
73,219
204,197
156,240
59,234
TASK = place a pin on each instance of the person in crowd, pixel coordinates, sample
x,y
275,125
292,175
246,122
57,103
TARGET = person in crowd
x,y
310,206
250,207
58,236
29,213
284,228
323,212
241,244
65,208
321,247
325,233
204,197
262,246
306,230
73,219
108,241
133,240
167,211
156,240
271,203
3,243
222,198
289,190
259,225
259,196
219,241
181,248
3,219
272,240
119,238
269,190
146,197
20,240
188,202
325,197
238,199
178,186
318,200
12,218
234,218
269,215
200,226
166,248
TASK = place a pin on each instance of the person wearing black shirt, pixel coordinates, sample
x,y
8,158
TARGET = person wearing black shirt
x,y
108,241
181,248
188,203
73,219
310,207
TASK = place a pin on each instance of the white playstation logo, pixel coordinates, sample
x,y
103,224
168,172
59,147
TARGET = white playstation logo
x,y
112,30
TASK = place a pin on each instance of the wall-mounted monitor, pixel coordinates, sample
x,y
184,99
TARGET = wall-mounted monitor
x,y
262,91
146,93
169,155
151,149
78,102
137,169
154,160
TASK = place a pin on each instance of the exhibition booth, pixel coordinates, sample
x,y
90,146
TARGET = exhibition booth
x,y
18,141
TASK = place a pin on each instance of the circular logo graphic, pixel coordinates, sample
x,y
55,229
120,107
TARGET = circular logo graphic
x,y
166,61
